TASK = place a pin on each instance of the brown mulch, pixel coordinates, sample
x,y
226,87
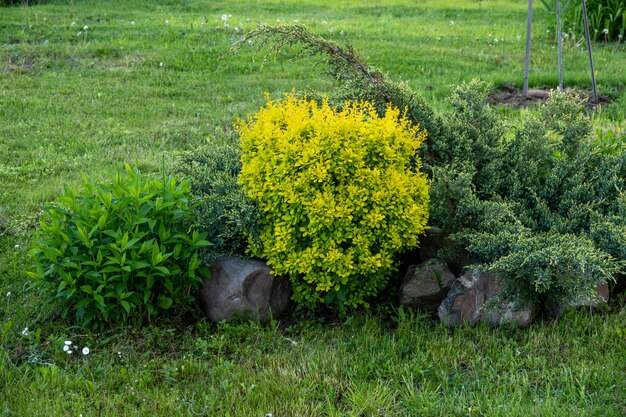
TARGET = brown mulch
x,y
509,96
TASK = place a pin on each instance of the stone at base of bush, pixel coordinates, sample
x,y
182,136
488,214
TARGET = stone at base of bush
x,y
602,291
243,288
466,302
426,285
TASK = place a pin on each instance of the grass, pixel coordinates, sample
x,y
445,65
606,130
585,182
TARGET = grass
x,y
148,79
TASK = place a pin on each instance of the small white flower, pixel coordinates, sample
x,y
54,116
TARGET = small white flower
x,y
66,348
296,21
547,30
75,347
73,24
495,40
85,27
342,33
452,23
605,31
132,22
489,35
324,22
9,294
236,28
85,350
69,351
79,33
566,36
224,18
248,19
68,342
25,332
160,64
269,415
17,246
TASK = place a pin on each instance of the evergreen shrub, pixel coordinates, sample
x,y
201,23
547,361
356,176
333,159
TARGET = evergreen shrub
x,y
340,194
120,251
222,209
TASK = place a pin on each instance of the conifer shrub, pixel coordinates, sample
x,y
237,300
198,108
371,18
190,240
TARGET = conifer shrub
x,y
121,251
540,203
222,209
340,194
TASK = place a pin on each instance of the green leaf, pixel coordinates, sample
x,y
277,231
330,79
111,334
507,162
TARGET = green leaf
x,y
99,299
125,305
164,302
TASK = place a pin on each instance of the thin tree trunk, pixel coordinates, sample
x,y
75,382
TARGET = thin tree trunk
x,y
527,59
560,43
593,75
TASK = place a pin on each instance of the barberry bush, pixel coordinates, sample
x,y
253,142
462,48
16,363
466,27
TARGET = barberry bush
x,y
340,194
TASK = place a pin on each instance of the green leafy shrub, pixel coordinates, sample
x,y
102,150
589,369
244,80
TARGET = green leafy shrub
x,y
222,210
337,196
607,18
120,251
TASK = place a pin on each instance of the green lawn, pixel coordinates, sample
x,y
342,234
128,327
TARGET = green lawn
x,y
145,80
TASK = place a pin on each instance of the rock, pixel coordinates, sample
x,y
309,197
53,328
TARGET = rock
x,y
243,288
602,291
426,285
466,300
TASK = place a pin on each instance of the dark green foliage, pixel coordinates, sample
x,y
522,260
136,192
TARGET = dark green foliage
x,y
223,211
120,252
607,18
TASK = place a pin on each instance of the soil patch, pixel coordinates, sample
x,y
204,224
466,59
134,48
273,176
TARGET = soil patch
x,y
509,96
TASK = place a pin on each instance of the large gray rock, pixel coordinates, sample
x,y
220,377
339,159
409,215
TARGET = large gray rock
x,y
466,300
426,285
243,288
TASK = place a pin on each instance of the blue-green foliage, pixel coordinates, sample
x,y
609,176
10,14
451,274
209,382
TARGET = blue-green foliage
x,y
120,252
223,211
544,206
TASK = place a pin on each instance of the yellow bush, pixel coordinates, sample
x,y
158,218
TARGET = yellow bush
x,y
340,194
